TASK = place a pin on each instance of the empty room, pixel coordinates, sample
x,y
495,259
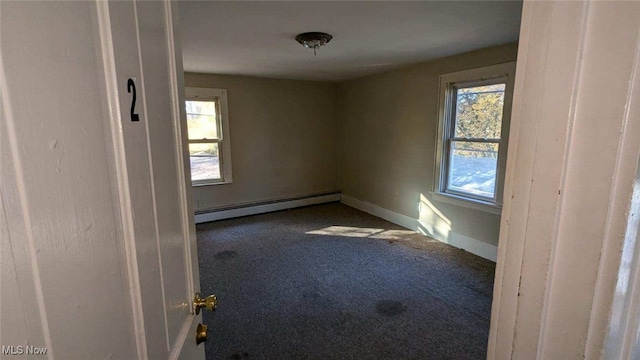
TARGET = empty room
x,y
192,180
347,165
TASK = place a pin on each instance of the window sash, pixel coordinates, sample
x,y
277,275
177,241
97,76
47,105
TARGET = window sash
x,y
218,123
451,106
205,141
210,141
447,188
449,139
503,73
223,139
217,140
476,140
220,162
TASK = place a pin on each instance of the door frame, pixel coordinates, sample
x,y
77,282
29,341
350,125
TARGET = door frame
x,y
562,226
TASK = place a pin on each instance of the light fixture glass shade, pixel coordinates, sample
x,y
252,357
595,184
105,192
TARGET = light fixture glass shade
x,y
313,44
313,40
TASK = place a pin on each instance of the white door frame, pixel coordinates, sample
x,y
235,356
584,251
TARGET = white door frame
x,y
573,153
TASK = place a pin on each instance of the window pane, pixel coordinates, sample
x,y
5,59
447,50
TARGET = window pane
x,y
472,168
479,111
205,161
202,120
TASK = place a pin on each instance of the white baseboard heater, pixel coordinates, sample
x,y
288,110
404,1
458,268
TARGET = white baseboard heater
x,y
262,207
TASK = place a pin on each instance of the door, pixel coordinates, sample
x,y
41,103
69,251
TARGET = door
x,y
98,241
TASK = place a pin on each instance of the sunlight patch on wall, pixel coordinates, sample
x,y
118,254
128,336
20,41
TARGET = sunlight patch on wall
x,y
431,221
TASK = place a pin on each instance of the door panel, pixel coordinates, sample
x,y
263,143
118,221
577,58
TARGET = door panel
x,y
190,350
144,51
164,163
135,178
97,238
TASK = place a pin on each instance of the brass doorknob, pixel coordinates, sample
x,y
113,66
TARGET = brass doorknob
x,y
210,303
201,334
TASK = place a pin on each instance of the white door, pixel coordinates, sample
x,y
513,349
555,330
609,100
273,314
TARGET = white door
x,y
98,241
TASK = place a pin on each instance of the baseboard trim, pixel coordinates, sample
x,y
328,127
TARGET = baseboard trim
x,y
474,246
264,207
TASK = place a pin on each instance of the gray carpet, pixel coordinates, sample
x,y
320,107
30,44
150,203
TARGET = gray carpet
x,y
348,290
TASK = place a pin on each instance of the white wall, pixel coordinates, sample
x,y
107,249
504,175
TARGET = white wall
x,y
63,270
283,139
372,138
388,125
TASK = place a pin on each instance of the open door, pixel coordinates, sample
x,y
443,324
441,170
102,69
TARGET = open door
x,y
152,169
98,239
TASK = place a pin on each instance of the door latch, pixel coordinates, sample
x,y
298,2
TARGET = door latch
x,y
201,334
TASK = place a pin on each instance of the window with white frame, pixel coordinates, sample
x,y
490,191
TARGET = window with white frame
x,y
475,108
208,130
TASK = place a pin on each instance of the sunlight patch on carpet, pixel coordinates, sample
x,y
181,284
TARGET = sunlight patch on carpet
x,y
351,231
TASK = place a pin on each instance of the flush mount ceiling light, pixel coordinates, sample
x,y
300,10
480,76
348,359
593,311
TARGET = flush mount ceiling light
x,y
313,40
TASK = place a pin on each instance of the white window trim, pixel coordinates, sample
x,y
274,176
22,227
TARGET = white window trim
x,y
504,71
194,93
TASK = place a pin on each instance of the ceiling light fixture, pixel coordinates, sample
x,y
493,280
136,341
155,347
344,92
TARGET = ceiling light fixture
x,y
313,40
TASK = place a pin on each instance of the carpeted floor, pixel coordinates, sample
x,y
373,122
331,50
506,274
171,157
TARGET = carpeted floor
x,y
332,282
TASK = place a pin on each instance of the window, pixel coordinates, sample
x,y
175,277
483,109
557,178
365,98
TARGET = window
x,y
208,130
475,107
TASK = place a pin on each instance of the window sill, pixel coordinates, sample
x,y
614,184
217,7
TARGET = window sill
x,y
467,202
209,183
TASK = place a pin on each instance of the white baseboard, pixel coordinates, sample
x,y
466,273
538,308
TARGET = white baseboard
x,y
264,208
391,216
474,246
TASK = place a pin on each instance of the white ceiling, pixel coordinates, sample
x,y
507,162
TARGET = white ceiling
x,y
257,37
